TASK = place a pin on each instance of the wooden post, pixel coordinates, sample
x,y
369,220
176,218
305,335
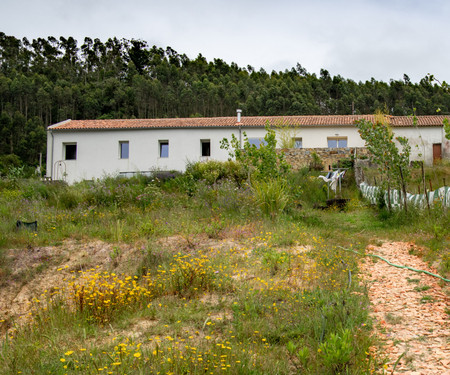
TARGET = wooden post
x,y
425,187
389,196
403,189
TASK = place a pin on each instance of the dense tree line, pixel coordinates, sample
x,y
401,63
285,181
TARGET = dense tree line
x,y
45,81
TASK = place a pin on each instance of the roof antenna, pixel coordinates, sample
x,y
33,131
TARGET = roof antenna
x,y
238,111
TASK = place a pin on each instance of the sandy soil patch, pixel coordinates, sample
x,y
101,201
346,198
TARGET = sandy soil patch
x,y
411,311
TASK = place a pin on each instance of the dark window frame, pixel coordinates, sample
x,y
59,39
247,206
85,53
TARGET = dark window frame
x,y
70,151
205,147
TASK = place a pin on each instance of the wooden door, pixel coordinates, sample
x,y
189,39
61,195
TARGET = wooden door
x,y
437,151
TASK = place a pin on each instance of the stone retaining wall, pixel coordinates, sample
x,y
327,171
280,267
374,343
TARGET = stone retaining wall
x,y
302,157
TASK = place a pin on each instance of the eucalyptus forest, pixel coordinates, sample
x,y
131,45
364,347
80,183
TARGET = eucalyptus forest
x,y
47,80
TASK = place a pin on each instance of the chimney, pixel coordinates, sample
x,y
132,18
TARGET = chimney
x,y
238,111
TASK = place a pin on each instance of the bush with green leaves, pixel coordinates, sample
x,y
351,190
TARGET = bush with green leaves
x,y
113,190
151,196
212,171
225,197
232,198
272,196
8,162
306,189
260,162
337,350
267,170
184,183
446,123
316,163
392,162
347,163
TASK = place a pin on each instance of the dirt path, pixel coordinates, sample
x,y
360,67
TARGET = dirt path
x,y
410,311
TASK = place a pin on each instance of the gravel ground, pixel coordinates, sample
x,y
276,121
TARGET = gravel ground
x,y
411,311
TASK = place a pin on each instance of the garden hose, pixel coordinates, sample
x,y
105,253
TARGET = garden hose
x,y
396,265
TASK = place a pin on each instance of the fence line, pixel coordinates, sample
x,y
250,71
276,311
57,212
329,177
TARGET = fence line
x,y
441,195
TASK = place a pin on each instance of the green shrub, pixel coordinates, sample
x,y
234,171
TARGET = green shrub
x,y
307,189
206,195
272,196
209,171
8,162
151,197
212,171
232,198
263,161
35,189
345,163
316,163
69,199
225,197
336,351
184,183
117,191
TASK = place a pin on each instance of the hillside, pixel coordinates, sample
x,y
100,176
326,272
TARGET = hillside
x,y
48,80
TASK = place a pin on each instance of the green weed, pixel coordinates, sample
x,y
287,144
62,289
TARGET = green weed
x,y
272,196
427,299
393,319
337,350
422,288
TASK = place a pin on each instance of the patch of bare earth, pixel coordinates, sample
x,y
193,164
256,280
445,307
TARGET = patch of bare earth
x,y
36,270
40,269
410,310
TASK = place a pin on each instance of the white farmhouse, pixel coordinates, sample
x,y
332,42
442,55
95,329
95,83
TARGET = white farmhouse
x,y
87,149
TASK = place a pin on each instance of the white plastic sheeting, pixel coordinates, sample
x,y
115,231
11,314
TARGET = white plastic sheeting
x,y
440,196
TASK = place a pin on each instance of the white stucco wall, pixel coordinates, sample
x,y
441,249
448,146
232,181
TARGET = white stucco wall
x,y
422,140
317,137
98,152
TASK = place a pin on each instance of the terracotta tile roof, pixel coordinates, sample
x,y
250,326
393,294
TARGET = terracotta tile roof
x,y
246,121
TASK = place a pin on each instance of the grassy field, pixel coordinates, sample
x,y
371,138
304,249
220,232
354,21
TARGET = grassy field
x,y
193,275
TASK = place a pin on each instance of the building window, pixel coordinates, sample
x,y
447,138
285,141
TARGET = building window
x,y
206,147
337,142
298,143
70,151
257,142
163,149
124,149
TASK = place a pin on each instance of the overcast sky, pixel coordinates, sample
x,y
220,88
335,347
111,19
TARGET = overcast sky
x,y
357,39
